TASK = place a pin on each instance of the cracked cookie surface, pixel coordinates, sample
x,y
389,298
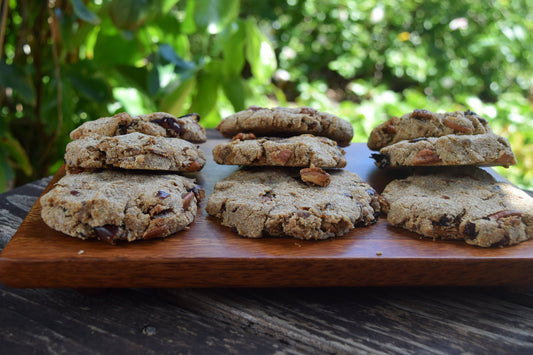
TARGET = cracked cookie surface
x,y
133,151
118,205
259,202
283,121
423,123
298,151
159,124
463,204
479,150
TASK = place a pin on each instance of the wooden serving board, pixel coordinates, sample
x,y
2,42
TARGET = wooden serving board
x,y
210,255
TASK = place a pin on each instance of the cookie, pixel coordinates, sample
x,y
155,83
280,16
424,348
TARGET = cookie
x,y
133,151
117,205
298,151
282,121
423,123
480,150
159,124
259,202
463,204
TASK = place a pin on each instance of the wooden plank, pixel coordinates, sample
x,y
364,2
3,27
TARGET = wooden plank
x,y
210,255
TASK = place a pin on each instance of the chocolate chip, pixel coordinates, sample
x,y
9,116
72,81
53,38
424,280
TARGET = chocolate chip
x,y
444,221
74,192
122,129
267,197
382,160
303,214
470,230
107,233
195,115
162,194
312,124
504,241
169,123
255,108
470,113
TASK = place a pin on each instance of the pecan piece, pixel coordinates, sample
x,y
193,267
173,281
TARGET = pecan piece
x,y
194,166
315,176
426,156
243,136
506,159
421,114
156,232
281,157
505,213
456,127
187,199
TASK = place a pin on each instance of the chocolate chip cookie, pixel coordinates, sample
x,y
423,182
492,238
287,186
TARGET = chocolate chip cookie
x,y
259,202
133,151
298,151
283,121
465,204
116,205
423,123
159,124
480,150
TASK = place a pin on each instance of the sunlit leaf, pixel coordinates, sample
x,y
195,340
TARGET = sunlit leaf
x,y
259,53
213,15
205,99
83,12
174,102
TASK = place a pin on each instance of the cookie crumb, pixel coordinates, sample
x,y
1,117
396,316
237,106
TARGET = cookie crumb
x,y
378,253
298,245
81,252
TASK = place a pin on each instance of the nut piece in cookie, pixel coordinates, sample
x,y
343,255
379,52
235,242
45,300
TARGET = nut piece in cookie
x,y
259,202
423,123
315,176
117,205
466,204
285,122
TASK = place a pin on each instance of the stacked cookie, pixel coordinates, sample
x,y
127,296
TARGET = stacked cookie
x,y
117,185
282,189
423,138
460,200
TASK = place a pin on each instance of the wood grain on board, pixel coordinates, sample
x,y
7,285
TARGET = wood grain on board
x,y
210,255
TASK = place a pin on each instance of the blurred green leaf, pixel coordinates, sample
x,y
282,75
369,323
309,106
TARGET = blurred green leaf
x,y
213,15
129,14
14,77
113,49
174,102
17,153
206,95
259,53
234,91
233,52
83,12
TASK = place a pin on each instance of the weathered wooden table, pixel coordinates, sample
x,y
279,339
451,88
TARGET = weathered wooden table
x,y
416,319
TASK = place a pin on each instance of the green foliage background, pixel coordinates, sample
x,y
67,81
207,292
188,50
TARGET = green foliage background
x,y
70,61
